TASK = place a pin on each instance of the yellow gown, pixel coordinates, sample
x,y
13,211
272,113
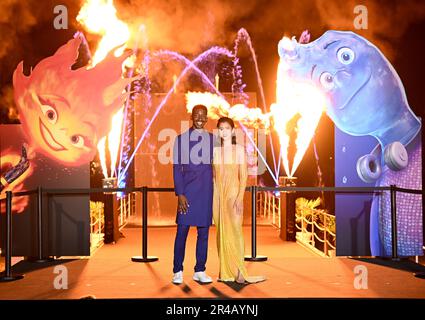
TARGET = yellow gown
x,y
230,178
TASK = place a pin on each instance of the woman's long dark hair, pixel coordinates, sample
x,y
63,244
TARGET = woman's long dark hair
x,y
231,123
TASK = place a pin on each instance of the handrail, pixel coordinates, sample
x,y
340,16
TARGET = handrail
x,y
258,188
254,189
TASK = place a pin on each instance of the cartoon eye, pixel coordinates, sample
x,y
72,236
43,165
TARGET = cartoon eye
x,y
327,80
345,55
77,141
50,113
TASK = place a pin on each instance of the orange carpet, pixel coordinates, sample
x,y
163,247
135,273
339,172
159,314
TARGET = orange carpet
x,y
291,271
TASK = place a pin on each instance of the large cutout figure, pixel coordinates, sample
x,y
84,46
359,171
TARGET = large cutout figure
x,y
63,112
366,97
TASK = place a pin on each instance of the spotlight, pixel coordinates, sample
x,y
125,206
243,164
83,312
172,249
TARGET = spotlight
x,y
109,183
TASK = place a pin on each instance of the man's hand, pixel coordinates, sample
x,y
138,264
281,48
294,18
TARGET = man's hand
x,y
182,204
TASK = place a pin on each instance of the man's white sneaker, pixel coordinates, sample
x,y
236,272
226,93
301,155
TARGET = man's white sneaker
x,y
201,277
178,277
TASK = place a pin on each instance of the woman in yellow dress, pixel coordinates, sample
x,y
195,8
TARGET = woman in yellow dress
x,y
230,177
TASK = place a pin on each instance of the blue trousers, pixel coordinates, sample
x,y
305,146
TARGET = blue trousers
x,y
180,247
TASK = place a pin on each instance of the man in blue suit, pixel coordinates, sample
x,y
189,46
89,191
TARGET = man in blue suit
x,y
193,185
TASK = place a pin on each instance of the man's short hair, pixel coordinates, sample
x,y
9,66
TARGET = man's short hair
x,y
200,106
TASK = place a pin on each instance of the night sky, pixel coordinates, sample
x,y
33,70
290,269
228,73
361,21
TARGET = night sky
x,y
190,27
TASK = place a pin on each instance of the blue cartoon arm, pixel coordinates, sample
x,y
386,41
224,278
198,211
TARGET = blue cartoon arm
x,y
15,172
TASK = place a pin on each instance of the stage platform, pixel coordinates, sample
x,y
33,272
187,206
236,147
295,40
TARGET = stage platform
x,y
291,271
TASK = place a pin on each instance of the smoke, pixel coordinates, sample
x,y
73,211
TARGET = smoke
x,y
186,26
17,18
8,111
192,26
26,33
387,21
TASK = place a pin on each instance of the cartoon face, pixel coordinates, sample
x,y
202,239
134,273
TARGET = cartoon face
x,y
64,111
58,131
364,93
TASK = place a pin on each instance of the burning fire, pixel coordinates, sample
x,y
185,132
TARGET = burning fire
x,y
113,144
219,107
101,146
293,100
300,100
99,17
114,138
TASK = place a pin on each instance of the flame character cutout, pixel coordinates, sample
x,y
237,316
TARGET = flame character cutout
x,y
63,111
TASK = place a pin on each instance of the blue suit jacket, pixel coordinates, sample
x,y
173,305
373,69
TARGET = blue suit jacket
x,y
192,173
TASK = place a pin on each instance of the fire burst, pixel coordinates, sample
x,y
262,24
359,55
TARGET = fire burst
x,y
299,101
113,145
219,107
99,17
114,138
294,99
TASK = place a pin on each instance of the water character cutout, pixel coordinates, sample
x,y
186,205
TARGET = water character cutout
x,y
365,96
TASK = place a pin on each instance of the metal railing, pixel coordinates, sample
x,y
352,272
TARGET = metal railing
x,y
269,206
8,276
357,190
308,222
97,224
126,209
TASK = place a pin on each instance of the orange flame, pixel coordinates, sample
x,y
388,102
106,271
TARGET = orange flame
x,y
294,98
99,17
101,146
114,138
219,107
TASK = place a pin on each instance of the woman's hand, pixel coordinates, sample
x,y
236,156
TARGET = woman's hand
x,y
238,206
